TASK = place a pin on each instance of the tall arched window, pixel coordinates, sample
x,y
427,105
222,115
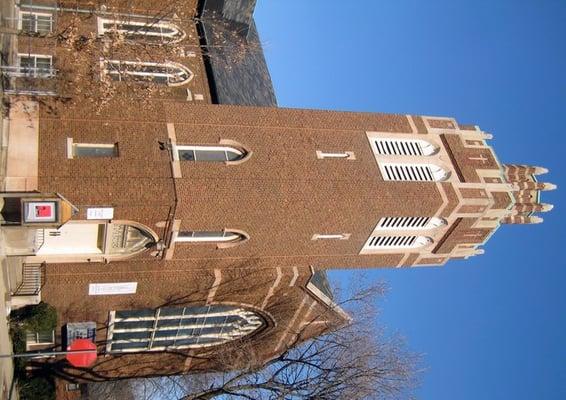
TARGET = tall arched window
x,y
209,237
148,31
180,327
413,172
209,153
168,73
404,147
396,242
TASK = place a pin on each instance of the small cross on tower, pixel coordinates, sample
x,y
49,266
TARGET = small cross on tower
x,y
481,158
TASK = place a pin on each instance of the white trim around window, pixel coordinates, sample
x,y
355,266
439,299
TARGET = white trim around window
x,y
168,73
207,153
222,239
82,150
35,65
208,237
35,22
165,32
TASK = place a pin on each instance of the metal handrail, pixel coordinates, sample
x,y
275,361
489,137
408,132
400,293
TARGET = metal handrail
x,y
33,280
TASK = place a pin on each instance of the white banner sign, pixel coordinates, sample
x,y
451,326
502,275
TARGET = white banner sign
x,y
100,213
97,289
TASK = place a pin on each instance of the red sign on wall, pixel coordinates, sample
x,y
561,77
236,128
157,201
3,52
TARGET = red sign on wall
x,y
43,211
39,211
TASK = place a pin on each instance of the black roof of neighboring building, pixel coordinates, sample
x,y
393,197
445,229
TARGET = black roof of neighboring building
x,y
238,73
320,280
240,11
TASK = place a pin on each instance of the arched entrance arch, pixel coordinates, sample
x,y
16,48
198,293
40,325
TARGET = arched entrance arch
x,y
83,241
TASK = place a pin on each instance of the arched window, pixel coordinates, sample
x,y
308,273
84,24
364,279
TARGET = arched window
x,y
404,147
209,237
148,31
209,153
169,73
180,327
397,242
404,223
413,172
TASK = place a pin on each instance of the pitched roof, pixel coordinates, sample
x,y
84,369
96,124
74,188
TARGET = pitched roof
x,y
237,69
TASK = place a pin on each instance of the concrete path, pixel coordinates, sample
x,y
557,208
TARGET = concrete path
x,y
6,364
7,21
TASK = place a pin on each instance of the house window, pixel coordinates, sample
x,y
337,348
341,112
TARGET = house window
x,y
404,147
168,328
396,223
168,73
209,153
80,150
72,387
42,339
413,172
396,242
33,22
35,65
209,237
150,31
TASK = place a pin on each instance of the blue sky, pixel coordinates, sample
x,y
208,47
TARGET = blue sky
x,y
492,327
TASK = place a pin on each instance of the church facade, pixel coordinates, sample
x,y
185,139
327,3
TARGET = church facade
x,y
199,214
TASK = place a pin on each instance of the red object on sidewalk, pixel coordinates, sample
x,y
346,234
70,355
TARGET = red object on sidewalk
x,y
79,355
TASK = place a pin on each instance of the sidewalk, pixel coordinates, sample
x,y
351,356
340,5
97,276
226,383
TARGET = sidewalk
x,y
6,364
7,10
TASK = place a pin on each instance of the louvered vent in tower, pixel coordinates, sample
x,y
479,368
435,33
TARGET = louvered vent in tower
x,y
404,147
396,223
413,172
396,242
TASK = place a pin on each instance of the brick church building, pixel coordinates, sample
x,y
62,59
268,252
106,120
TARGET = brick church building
x,y
191,213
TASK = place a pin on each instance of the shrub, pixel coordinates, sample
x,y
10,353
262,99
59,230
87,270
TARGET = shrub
x,y
35,318
37,388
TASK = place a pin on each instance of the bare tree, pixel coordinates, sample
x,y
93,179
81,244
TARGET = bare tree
x,y
83,53
111,390
357,361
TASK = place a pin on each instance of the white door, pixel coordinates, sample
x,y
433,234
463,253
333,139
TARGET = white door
x,y
71,238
